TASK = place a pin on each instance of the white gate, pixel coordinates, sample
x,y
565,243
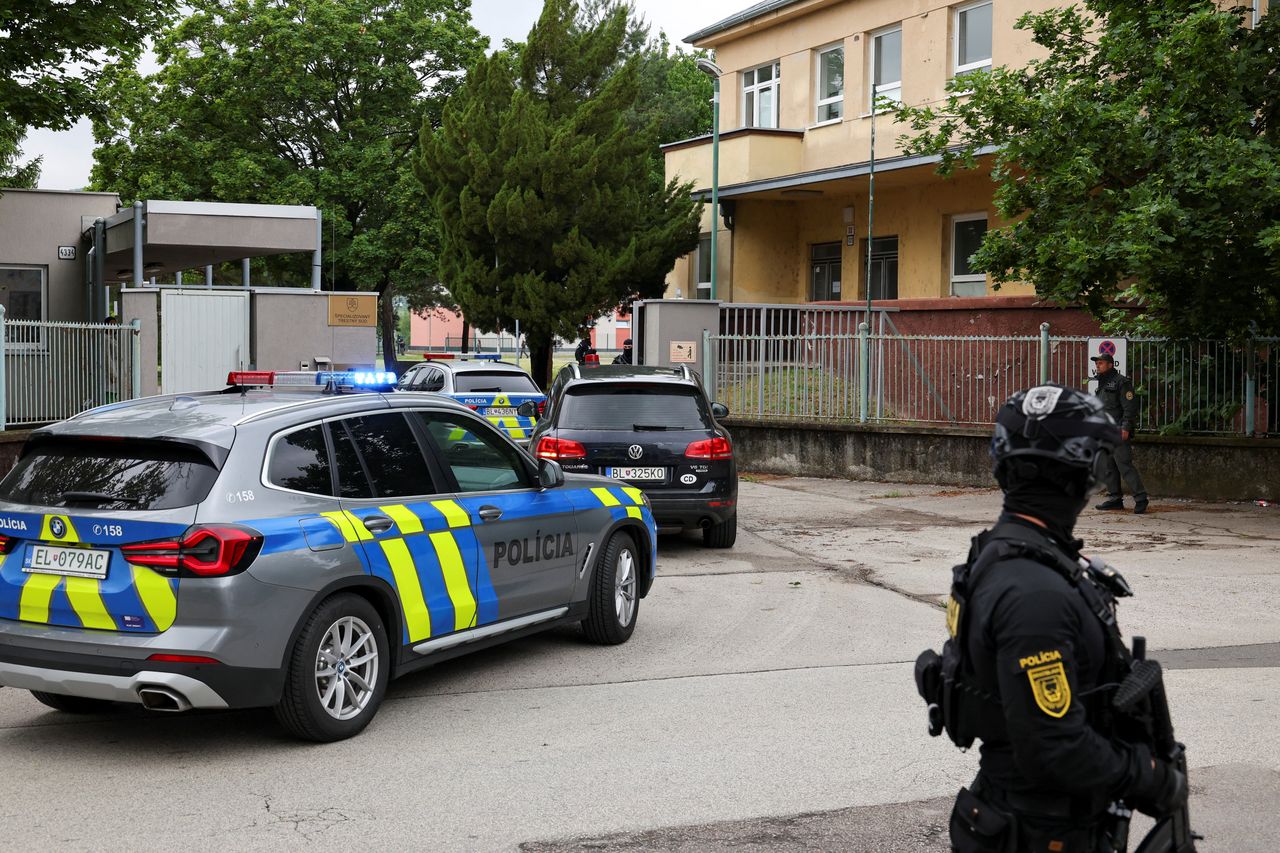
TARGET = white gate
x,y
203,336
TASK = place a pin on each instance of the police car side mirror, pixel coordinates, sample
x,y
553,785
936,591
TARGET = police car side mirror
x,y
550,475
719,410
527,409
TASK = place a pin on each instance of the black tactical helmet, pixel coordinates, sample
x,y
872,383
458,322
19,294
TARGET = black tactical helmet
x,y
1052,422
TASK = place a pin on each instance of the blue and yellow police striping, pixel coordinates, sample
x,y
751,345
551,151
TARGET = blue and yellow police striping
x,y
130,598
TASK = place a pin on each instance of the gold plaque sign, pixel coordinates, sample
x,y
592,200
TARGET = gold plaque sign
x,y
359,310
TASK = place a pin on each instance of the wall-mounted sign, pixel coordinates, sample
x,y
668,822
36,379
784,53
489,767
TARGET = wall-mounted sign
x,y
349,310
684,352
66,253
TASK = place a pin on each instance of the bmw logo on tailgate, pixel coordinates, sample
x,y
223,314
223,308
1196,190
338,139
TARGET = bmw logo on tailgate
x,y
635,451
58,528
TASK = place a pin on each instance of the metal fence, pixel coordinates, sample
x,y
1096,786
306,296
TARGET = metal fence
x,y
823,370
51,371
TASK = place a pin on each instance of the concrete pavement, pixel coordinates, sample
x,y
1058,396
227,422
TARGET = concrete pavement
x,y
764,703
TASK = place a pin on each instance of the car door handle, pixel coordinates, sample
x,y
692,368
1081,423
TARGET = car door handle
x,y
378,523
490,513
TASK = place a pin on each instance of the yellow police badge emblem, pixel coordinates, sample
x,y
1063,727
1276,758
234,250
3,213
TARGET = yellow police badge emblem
x,y
1050,688
953,616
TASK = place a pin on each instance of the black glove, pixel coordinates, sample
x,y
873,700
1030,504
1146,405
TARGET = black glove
x,y
1160,788
929,676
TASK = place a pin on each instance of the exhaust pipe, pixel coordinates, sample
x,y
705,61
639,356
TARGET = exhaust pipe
x,y
163,699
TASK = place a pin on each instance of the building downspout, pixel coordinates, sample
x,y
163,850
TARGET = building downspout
x,y
317,258
137,244
100,295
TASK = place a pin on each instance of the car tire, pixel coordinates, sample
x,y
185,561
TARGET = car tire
x,y
614,601
721,535
75,704
333,688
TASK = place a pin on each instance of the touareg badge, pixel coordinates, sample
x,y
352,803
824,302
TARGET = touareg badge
x,y
1050,688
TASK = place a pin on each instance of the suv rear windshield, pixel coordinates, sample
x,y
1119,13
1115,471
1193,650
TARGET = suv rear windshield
x,y
493,382
110,475
633,407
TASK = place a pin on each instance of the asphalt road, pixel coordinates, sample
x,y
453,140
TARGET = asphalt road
x,y
764,703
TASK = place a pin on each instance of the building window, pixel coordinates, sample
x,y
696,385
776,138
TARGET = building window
x,y
967,232
825,285
830,96
704,268
22,292
886,65
973,37
884,267
760,96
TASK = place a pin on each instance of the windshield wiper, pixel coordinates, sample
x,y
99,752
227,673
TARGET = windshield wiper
x,y
655,427
481,391
78,497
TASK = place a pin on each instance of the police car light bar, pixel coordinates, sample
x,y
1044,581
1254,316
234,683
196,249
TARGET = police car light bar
x,y
360,378
488,356
437,356
251,377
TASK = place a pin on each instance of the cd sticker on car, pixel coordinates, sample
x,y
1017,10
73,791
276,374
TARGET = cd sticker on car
x,y
688,479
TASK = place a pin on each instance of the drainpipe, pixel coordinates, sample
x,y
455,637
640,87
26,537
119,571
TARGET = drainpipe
x,y
317,258
208,275
244,272
177,278
100,267
137,244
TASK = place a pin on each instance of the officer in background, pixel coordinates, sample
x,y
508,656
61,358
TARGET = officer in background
x,y
584,349
1115,390
624,357
1032,663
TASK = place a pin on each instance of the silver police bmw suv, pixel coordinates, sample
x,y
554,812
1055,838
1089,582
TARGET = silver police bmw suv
x,y
294,549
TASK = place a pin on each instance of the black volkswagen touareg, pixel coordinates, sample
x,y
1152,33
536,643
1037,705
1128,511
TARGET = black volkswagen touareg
x,y
650,427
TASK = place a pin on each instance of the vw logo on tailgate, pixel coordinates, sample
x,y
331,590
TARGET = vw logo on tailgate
x,y
635,451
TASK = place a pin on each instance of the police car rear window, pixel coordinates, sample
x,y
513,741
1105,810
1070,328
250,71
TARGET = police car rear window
x,y
493,382
633,408
116,475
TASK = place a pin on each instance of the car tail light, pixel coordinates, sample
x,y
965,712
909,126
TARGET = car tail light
x,y
183,659
7,543
542,408
560,448
710,448
203,551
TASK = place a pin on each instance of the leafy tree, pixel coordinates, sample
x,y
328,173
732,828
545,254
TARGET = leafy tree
x,y
50,55
14,173
1140,158
299,102
52,52
548,210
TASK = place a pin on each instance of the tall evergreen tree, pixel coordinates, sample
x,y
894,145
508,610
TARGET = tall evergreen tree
x,y
548,209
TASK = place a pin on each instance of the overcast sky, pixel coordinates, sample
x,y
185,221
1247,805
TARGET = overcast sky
x,y
68,155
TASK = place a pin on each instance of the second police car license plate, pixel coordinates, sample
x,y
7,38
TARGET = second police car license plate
x,y
76,562
636,473
501,411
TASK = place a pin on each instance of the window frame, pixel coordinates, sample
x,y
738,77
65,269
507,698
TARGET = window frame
x,y
698,284
872,54
328,448
818,101
753,91
969,278
959,69
38,344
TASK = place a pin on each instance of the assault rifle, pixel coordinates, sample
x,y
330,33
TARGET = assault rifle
x,y
1143,690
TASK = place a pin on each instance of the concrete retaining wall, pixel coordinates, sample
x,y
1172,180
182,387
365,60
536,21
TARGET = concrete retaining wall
x,y
1201,468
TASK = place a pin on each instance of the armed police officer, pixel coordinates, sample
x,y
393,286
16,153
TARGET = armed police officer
x,y
1035,655
1115,390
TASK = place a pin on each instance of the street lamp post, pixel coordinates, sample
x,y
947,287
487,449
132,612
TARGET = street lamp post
x,y
871,199
706,66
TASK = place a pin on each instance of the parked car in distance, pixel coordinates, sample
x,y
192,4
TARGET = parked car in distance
x,y
653,428
491,388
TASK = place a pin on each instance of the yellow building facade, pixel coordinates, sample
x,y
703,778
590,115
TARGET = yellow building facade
x,y
795,151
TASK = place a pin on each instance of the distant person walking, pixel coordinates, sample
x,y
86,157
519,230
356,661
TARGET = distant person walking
x,y
624,357
1115,390
584,349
